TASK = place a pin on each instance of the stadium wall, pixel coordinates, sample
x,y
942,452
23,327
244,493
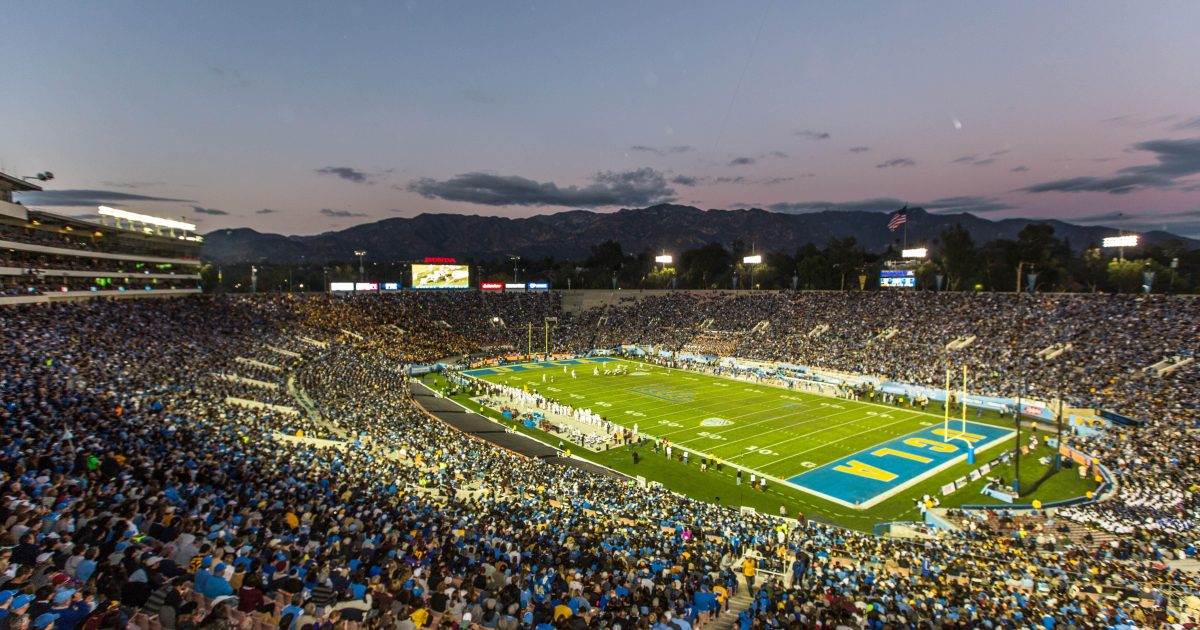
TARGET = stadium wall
x,y
1102,493
1029,408
69,296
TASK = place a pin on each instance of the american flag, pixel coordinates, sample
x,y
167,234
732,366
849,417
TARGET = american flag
x,y
898,219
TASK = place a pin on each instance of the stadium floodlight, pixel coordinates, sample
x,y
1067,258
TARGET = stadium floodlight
x,y
752,260
146,219
1121,241
919,252
361,274
664,259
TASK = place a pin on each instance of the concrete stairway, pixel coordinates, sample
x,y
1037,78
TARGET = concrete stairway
x,y
728,619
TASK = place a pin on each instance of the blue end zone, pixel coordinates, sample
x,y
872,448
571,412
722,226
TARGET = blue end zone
x,y
872,475
540,365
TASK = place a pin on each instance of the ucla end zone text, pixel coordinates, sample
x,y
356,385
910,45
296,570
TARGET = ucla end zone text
x,y
862,479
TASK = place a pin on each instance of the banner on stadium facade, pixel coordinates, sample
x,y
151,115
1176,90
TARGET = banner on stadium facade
x,y
1118,418
1030,408
746,364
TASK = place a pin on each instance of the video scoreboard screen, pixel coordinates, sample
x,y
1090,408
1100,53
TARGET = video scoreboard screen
x,y
898,279
439,276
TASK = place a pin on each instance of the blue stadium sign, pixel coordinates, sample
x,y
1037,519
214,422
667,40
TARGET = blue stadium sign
x,y
903,278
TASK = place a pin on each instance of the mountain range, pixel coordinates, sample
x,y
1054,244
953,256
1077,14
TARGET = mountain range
x,y
666,227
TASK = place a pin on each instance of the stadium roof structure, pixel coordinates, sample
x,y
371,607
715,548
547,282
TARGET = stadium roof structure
x,y
16,184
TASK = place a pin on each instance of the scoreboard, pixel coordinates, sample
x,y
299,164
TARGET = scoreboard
x,y
898,279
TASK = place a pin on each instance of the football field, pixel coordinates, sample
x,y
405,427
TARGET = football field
x,y
852,453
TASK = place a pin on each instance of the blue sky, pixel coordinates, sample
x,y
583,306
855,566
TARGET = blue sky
x,y
304,117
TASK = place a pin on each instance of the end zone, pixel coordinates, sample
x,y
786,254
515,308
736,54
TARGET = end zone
x,y
539,365
871,475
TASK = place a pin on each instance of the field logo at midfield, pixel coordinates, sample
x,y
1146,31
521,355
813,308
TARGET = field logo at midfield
x,y
664,393
715,422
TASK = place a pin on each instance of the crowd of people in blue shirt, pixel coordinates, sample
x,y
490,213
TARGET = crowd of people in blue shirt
x,y
133,492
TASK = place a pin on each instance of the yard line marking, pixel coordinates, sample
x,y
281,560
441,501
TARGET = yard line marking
x,y
936,416
776,414
805,397
716,408
759,436
825,444
715,405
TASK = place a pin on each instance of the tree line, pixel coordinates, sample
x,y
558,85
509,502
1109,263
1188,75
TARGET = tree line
x,y
1037,258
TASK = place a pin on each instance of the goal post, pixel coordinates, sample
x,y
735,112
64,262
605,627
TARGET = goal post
x,y
946,410
962,433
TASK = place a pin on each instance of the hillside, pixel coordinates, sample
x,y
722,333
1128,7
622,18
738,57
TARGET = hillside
x,y
570,235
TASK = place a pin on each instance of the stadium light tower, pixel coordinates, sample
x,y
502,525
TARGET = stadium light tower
x,y
1021,268
1120,243
1017,424
752,261
1058,378
516,261
664,260
362,277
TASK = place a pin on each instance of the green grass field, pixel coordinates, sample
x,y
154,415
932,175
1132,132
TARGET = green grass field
x,y
762,428
776,431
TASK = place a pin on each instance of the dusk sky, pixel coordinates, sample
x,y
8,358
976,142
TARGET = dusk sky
x,y
304,117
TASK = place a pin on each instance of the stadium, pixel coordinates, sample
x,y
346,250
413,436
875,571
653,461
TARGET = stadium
x,y
558,316
471,453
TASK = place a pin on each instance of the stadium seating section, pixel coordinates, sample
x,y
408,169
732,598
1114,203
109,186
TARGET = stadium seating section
x,y
138,491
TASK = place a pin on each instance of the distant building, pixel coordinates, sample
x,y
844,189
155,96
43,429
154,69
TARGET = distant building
x,y
48,257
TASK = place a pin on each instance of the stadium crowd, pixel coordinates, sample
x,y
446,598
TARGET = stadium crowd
x,y
133,492
1113,340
